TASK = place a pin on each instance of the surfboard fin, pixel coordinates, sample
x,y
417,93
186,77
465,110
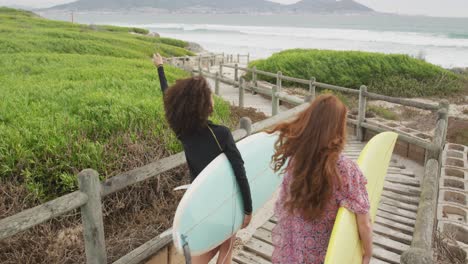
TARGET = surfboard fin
x,y
188,257
183,187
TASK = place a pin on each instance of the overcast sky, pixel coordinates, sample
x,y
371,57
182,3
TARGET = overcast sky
x,y
457,8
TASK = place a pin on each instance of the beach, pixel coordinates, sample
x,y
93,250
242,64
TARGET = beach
x,y
441,41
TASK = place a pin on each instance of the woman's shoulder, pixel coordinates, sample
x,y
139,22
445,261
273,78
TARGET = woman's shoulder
x,y
219,129
348,168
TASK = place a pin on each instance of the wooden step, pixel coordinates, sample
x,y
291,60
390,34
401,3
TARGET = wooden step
x,y
385,255
389,244
402,198
245,257
259,248
398,211
402,189
392,233
263,235
402,179
406,206
397,219
392,224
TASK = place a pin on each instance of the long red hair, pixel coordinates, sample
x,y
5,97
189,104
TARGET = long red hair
x,y
311,145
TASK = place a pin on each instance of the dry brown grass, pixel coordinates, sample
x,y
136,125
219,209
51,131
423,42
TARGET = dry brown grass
x,y
131,217
446,250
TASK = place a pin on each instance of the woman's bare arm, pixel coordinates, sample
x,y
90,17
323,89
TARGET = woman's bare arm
x,y
365,233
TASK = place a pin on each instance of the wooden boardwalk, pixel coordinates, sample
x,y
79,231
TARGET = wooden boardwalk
x,y
393,229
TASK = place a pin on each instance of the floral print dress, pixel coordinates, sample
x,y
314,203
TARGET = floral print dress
x,y
296,240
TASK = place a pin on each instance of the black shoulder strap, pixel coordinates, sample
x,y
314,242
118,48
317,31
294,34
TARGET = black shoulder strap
x,y
216,139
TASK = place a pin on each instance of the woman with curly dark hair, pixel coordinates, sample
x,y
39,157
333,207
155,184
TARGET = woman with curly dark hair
x,y
188,105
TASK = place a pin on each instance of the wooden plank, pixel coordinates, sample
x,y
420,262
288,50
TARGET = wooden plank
x,y
269,226
245,257
29,218
396,218
160,258
389,244
385,255
263,235
173,256
401,101
401,179
274,220
392,202
377,261
392,224
397,211
393,234
402,189
401,198
259,248
126,179
145,251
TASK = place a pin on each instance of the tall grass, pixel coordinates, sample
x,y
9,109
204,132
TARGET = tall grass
x,y
69,94
395,75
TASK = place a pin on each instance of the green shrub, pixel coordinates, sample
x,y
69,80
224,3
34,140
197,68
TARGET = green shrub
x,y
395,75
71,96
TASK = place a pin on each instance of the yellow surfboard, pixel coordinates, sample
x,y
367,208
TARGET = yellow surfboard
x,y
345,246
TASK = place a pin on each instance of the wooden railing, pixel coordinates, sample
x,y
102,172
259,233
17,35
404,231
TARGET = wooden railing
x,y
276,93
421,247
91,191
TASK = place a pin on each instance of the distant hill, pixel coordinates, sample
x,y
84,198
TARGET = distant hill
x,y
328,6
170,4
229,6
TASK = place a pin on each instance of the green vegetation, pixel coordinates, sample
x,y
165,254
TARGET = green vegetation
x,y
394,75
71,96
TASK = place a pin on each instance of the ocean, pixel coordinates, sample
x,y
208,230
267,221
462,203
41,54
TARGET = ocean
x,y
441,41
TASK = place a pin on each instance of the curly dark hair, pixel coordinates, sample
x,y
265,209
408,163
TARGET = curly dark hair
x,y
188,105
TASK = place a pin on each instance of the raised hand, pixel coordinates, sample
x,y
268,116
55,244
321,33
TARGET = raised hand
x,y
157,60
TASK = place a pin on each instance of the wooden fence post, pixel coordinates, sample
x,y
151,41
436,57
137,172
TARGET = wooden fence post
x,y
199,66
254,78
236,72
217,81
241,92
246,124
91,214
221,70
248,58
312,87
440,133
362,113
274,99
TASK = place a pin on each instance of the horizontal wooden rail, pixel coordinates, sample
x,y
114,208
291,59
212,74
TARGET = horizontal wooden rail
x,y
409,139
281,117
337,88
260,90
151,170
31,217
401,101
294,100
146,250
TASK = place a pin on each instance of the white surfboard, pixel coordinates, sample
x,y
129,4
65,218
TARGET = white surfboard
x,y
211,210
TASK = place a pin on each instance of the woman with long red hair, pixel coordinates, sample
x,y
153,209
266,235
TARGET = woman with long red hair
x,y
318,180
